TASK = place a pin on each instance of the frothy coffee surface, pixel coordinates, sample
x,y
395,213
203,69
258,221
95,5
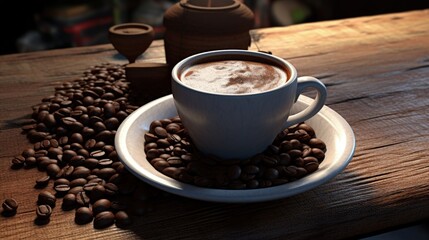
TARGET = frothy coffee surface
x,y
233,77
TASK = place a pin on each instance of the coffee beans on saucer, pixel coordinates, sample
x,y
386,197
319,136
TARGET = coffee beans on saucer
x,y
295,153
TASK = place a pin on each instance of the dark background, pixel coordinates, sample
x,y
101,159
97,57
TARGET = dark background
x,y
63,23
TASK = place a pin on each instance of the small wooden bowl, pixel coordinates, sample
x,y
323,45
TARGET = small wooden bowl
x,y
131,39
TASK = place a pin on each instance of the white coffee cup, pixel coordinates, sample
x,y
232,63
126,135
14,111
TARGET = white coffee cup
x,y
239,126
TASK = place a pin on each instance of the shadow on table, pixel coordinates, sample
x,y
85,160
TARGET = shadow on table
x,y
315,213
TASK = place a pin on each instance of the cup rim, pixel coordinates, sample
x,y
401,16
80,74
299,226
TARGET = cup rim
x,y
292,76
189,4
145,29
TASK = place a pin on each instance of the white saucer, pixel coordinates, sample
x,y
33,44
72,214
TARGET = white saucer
x,y
328,125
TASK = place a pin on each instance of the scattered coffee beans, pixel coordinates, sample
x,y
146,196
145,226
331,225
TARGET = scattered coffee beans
x,y
294,153
73,133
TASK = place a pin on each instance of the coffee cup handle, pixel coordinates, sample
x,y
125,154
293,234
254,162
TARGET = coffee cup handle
x,y
315,106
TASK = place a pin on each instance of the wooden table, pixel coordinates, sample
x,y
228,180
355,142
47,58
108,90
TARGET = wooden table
x,y
377,73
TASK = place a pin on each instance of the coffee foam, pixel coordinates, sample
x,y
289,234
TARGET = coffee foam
x,y
233,77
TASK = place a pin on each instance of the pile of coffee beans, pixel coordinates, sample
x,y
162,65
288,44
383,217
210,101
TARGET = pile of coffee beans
x,y
73,134
294,153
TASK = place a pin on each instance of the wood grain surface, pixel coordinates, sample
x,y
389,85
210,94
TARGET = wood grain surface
x,y
377,73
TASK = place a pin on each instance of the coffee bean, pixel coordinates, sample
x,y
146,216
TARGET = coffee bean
x,y
271,173
318,153
171,172
150,137
97,192
233,172
105,136
90,143
10,205
306,151
162,143
317,143
62,189
106,162
46,144
43,211
82,199
68,155
101,205
89,186
99,126
54,152
69,201
100,145
112,123
88,132
175,161
43,181
311,166
97,154
53,169
83,152
122,219
299,162
83,215
30,162
40,153
90,163
77,160
104,219
46,162
115,178
295,153
106,173
160,132
78,182
61,181
76,138
269,161
18,162
46,198
80,172
76,190
67,171
29,152
111,189
109,110
252,184
97,180
161,165
307,128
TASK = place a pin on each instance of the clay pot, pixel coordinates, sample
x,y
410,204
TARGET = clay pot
x,y
194,26
131,39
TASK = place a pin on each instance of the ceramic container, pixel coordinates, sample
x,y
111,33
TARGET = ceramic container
x,y
131,39
194,26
